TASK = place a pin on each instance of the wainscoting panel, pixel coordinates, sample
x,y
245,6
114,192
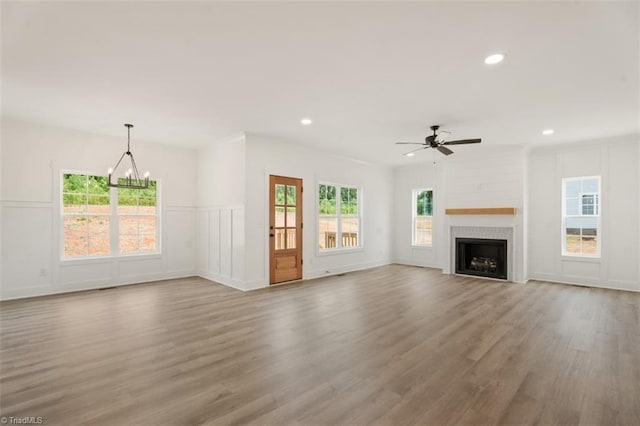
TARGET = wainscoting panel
x,y
213,233
221,246
26,246
180,238
92,273
139,268
237,253
31,265
226,242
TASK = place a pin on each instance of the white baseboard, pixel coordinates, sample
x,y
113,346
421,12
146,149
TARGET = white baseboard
x,y
586,283
309,275
412,262
50,290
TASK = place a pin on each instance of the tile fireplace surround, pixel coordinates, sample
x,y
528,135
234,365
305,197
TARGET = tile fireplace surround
x,y
488,232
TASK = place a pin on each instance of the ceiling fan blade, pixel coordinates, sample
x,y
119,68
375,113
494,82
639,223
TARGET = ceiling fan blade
x,y
414,150
443,135
463,142
444,150
409,143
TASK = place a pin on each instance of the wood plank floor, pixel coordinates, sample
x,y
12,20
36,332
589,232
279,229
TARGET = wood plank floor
x,y
389,345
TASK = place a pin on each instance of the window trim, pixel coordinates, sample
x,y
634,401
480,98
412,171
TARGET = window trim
x,y
414,205
338,250
564,216
113,224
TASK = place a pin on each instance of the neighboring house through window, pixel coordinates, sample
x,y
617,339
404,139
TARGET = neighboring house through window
x,y
589,204
581,233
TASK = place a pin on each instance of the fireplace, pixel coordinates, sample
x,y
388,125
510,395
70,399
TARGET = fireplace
x,y
481,257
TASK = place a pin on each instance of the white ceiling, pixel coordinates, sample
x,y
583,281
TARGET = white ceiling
x,y
368,74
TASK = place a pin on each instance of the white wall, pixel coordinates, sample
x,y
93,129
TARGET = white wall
x,y
475,176
221,199
266,157
1,262
225,238
406,179
221,172
33,157
617,161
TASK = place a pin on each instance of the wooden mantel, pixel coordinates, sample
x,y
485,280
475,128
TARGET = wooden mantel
x,y
492,210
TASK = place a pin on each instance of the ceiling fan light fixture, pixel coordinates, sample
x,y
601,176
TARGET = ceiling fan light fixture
x,y
494,59
548,132
437,140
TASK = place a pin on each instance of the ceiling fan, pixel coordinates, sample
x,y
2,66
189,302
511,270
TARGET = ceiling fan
x,y
437,141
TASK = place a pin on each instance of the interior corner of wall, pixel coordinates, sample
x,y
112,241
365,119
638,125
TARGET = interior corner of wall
x,y
255,285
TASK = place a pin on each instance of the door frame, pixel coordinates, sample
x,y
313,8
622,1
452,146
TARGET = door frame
x,y
267,230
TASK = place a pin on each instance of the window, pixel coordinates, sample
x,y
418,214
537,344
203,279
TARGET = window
x,y
422,222
285,217
581,216
137,220
91,227
338,217
85,215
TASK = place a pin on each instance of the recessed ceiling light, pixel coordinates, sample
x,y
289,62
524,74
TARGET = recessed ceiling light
x,y
409,154
548,132
306,121
494,59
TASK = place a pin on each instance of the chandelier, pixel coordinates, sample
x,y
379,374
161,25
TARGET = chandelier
x,y
131,179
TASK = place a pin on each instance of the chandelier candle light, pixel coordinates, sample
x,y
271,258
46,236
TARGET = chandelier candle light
x,y
132,179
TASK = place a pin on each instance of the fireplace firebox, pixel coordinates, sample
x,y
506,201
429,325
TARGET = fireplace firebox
x,y
481,257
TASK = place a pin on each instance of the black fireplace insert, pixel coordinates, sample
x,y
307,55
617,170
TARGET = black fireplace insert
x,y
481,257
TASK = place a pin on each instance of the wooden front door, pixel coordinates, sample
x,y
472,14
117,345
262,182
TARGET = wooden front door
x,y
285,229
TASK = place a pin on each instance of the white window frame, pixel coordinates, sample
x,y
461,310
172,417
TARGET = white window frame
x,y
113,223
338,248
597,214
414,215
